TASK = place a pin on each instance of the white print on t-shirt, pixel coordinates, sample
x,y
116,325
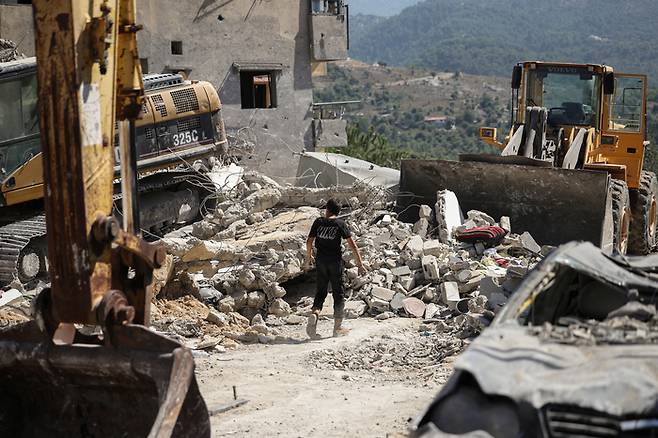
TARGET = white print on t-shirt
x,y
327,233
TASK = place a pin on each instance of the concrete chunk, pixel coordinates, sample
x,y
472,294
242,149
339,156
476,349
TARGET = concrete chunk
x,y
430,268
383,293
425,212
450,294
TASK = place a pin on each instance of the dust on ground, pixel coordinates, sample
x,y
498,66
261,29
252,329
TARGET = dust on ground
x,y
292,393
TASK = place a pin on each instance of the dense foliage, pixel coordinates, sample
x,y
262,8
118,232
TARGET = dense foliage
x,y
489,36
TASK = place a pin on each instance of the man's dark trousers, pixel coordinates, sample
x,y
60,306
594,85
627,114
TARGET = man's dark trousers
x,y
330,271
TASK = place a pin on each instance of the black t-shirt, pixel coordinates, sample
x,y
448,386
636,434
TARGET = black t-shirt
x,y
328,234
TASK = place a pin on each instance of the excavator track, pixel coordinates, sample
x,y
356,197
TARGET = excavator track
x,y
14,239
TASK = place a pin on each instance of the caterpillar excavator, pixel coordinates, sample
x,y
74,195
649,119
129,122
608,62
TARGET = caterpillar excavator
x,y
180,125
126,381
571,167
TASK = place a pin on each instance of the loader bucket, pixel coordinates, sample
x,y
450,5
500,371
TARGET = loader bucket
x,y
142,386
555,205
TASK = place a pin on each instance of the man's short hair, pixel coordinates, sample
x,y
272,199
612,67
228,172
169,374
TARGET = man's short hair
x,y
333,207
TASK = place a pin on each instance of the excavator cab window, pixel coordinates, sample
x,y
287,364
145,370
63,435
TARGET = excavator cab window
x,y
19,122
570,94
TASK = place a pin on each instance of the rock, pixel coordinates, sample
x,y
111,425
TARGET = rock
x,y
262,200
258,319
401,271
386,220
425,212
480,219
463,276
378,306
428,296
280,308
204,230
384,316
414,307
298,319
266,339
434,248
448,214
506,224
397,303
355,309
217,318
489,287
261,329
247,278
415,245
471,285
516,271
421,227
431,310
529,243
430,268
209,295
407,283
480,248
478,304
383,293
238,319
227,305
352,273
162,275
274,290
450,294
256,299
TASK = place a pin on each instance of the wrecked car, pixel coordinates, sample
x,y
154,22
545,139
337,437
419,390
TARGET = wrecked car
x,y
573,354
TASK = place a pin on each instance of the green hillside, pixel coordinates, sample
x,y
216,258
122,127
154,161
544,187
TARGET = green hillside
x,y
488,36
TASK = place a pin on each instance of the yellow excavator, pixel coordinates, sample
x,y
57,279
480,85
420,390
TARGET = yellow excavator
x,y
571,167
180,125
122,380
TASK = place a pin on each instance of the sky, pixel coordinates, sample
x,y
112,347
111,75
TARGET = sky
x,y
383,8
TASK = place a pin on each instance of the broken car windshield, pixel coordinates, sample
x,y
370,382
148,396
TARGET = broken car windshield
x,y
574,308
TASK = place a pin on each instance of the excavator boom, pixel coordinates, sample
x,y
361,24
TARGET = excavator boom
x,y
125,381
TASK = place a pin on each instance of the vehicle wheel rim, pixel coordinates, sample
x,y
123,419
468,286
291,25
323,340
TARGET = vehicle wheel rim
x,y
30,265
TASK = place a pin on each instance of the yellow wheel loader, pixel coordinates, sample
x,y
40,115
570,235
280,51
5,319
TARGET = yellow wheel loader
x,y
126,381
180,124
571,167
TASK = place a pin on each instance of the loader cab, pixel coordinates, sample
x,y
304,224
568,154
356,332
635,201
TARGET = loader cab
x,y
570,94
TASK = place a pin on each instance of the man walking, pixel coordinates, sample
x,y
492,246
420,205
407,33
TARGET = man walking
x,y
327,234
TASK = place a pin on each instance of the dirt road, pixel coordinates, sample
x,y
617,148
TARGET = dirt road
x,y
292,395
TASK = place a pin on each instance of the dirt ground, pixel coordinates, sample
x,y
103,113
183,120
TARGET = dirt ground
x,y
291,396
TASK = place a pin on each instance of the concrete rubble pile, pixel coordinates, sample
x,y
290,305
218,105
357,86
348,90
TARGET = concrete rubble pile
x,y
239,258
420,356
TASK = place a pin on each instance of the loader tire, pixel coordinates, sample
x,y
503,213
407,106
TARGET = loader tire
x,y
621,215
643,222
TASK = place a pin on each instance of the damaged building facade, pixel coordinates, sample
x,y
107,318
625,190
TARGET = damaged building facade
x,y
260,56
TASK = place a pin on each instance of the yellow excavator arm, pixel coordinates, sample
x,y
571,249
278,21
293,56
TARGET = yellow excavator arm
x,y
127,381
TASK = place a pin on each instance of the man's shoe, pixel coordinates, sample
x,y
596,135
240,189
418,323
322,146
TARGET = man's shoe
x,y
312,326
339,330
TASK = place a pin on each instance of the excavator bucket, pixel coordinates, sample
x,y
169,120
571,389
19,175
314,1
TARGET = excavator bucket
x,y
141,386
555,205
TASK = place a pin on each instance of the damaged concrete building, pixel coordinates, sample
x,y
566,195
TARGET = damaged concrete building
x,y
261,57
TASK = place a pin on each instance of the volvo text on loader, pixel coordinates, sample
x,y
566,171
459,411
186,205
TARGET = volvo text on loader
x,y
571,167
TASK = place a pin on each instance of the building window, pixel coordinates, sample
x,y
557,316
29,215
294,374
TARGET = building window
x,y
176,47
258,89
